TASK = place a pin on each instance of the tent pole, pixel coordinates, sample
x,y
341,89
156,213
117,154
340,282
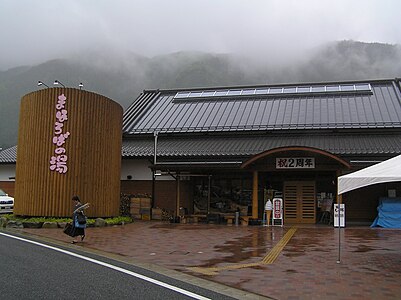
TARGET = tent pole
x,y
339,234
339,200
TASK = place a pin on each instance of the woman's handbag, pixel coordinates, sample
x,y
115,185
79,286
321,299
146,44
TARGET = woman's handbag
x,y
67,229
81,219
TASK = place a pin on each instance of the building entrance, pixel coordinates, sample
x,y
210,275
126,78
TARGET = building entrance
x,y
300,202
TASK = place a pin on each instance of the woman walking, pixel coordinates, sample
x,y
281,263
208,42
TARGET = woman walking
x,y
78,219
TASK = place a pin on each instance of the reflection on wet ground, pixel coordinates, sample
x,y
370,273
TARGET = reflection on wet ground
x,y
306,268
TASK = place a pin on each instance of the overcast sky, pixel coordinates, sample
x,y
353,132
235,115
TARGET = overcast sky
x,y
35,31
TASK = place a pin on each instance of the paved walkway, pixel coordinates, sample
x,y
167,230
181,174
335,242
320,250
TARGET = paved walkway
x,y
280,263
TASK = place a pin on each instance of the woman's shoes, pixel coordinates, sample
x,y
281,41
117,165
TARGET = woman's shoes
x,y
82,238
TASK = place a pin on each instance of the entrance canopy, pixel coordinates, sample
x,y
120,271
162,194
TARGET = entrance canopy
x,y
386,171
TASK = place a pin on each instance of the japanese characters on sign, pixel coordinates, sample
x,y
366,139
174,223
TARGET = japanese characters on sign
x,y
339,219
277,208
295,163
58,162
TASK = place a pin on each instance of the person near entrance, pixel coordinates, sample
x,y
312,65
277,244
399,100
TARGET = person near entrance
x,y
268,210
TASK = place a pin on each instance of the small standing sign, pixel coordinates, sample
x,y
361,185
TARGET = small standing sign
x,y
340,218
277,212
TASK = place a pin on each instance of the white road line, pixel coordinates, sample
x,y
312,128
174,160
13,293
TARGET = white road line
x,y
154,281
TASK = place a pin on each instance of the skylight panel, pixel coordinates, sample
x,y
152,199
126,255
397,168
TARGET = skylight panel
x,y
363,87
195,94
303,89
234,93
290,90
221,93
261,91
181,95
277,91
248,92
208,94
332,88
318,89
347,87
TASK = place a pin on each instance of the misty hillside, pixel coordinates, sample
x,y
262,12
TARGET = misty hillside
x,y
122,76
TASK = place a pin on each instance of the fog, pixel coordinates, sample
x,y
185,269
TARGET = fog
x,y
270,30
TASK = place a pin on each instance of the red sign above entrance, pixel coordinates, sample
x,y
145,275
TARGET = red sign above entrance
x,y
295,163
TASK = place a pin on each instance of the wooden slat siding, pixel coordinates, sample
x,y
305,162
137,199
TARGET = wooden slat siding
x,y
93,149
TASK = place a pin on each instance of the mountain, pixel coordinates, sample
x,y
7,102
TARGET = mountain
x,y
121,76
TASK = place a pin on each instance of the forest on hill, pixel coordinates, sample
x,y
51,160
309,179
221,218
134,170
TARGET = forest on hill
x,y
122,76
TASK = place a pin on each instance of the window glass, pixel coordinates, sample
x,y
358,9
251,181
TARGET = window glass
x,y
303,89
261,91
332,88
318,89
195,94
275,90
181,95
221,93
347,87
290,90
248,92
234,92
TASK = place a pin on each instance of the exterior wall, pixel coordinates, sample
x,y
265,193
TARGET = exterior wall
x,y
139,169
93,149
7,184
7,171
8,187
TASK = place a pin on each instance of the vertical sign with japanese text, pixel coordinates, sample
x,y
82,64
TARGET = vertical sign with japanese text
x,y
339,218
58,162
277,211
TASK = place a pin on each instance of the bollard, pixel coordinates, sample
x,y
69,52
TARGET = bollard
x,y
237,218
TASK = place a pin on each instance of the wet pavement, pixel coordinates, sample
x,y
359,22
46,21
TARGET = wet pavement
x,y
291,262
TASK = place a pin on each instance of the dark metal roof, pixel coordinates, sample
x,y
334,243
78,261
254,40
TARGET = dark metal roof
x,y
158,110
248,145
209,146
8,155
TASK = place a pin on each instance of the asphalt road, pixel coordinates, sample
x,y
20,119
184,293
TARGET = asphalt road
x,y
33,271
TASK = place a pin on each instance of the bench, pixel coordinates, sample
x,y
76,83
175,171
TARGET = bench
x,y
244,220
192,218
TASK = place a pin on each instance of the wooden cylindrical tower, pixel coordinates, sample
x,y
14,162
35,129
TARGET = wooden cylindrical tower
x,y
69,143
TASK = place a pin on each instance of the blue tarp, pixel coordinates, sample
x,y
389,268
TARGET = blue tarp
x,y
388,213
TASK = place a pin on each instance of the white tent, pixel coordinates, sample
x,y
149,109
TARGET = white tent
x,y
386,171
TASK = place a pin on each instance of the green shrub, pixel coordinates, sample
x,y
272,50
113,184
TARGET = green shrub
x,y
109,221
118,220
43,219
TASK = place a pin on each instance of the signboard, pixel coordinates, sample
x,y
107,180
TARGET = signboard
x,y
58,162
342,215
277,212
295,163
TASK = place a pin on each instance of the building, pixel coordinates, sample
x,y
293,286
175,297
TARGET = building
x,y
230,147
226,148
